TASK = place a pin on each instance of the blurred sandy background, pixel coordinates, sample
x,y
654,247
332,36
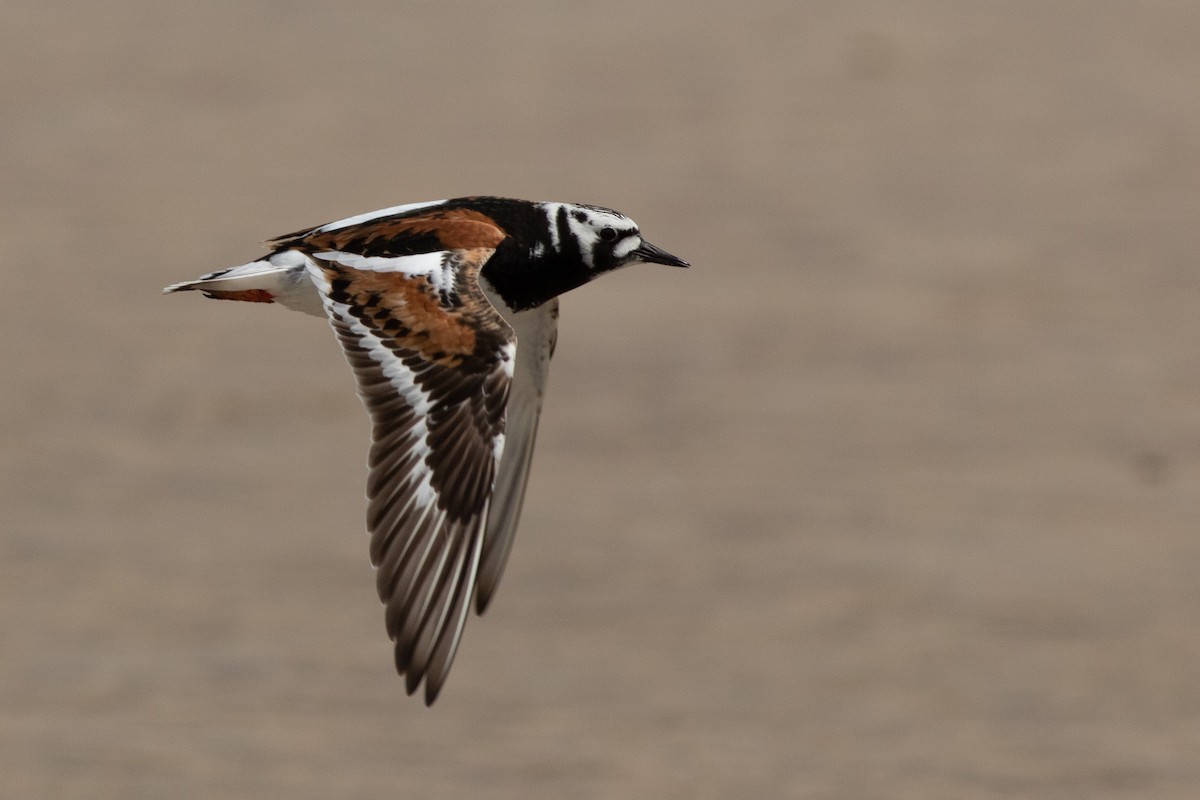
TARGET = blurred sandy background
x,y
895,494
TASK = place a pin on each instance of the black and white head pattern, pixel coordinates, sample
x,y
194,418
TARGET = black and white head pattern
x,y
603,239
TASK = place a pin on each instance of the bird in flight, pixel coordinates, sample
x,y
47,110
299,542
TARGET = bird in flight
x,y
447,312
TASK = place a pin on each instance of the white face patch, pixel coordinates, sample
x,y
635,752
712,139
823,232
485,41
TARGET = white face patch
x,y
552,224
626,246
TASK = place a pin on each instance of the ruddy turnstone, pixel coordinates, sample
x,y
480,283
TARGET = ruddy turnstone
x,y
447,312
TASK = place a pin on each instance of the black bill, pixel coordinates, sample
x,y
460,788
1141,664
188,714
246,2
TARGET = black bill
x,y
655,255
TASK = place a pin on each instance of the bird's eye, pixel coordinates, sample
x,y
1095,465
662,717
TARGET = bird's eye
x,y
608,234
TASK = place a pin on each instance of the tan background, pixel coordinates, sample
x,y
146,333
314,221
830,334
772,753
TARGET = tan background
x,y
894,495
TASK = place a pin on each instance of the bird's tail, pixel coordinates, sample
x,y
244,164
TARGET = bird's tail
x,y
280,277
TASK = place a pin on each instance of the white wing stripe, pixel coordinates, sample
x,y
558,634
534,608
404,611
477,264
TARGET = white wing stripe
x,y
420,264
370,215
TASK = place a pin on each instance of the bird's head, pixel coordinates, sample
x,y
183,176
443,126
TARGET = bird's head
x,y
559,247
604,239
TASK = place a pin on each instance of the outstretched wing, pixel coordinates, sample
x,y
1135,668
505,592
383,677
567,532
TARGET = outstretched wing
x,y
537,333
434,363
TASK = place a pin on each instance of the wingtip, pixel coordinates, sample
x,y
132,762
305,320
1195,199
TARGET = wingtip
x,y
435,679
412,682
482,601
